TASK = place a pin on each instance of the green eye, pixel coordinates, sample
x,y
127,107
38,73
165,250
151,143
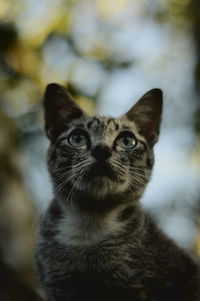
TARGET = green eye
x,y
78,138
126,140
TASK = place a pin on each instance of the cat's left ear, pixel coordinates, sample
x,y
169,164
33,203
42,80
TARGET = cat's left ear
x,y
146,114
59,110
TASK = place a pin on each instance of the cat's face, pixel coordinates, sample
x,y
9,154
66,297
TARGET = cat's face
x,y
100,155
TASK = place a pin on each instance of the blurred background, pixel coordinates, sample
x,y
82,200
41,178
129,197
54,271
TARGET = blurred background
x,y
108,53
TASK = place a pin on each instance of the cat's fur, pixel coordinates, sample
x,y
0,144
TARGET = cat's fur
x,y
95,242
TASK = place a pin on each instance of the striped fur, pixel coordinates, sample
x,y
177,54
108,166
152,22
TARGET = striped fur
x,y
94,241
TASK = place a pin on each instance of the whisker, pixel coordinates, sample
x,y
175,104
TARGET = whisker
x,y
142,176
69,167
136,186
66,180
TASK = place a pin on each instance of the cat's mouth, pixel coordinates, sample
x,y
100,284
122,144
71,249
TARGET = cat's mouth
x,y
101,169
101,179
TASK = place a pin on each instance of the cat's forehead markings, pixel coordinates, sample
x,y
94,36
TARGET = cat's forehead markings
x,y
93,123
127,124
103,123
100,124
112,123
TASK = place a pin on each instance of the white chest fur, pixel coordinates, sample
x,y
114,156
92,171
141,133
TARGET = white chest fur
x,y
76,229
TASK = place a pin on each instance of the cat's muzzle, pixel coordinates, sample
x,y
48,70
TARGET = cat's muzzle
x,y
101,169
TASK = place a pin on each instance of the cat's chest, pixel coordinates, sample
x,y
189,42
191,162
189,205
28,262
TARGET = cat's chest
x,y
94,262
99,270
74,230
92,245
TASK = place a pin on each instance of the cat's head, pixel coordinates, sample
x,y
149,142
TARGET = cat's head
x,y
100,155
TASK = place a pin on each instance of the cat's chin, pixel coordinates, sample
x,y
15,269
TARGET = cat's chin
x,y
101,186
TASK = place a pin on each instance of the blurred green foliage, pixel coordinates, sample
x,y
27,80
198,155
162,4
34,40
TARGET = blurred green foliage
x,y
29,28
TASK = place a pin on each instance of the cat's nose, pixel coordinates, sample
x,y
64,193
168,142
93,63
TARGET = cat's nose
x,y
101,152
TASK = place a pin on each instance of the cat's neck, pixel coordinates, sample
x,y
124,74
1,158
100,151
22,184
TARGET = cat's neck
x,y
85,221
91,204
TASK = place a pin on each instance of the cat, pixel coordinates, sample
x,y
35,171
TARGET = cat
x,y
95,242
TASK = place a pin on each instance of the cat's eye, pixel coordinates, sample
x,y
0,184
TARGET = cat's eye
x,y
78,138
126,140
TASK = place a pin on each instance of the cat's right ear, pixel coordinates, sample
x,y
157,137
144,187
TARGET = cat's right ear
x,y
146,114
59,110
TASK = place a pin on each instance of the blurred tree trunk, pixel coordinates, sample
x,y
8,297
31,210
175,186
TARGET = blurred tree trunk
x,y
195,15
17,280
13,287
